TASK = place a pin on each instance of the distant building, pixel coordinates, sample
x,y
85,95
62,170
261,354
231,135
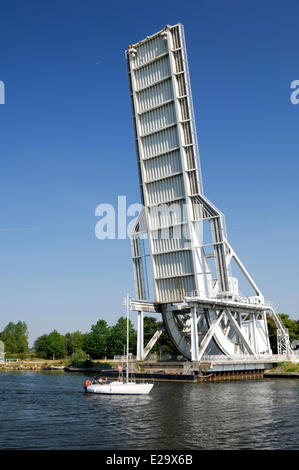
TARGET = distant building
x,y
2,353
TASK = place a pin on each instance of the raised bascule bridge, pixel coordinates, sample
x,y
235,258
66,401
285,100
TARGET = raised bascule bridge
x,y
184,267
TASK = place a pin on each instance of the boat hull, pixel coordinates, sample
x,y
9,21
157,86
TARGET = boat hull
x,y
119,388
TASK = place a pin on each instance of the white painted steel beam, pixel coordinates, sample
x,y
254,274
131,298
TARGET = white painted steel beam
x,y
240,333
207,338
140,340
152,342
194,335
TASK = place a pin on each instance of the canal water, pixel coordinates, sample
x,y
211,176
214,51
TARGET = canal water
x,y
50,410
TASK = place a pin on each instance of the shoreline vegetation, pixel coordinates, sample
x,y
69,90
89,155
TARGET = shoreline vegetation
x,y
101,342
282,369
39,365
102,346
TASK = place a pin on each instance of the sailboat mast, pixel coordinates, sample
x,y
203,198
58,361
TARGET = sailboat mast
x,y
127,304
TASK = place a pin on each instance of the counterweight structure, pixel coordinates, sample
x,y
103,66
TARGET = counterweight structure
x,y
180,236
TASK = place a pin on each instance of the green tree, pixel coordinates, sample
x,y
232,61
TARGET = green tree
x,y
150,326
164,344
118,338
96,341
291,325
41,346
74,342
15,337
272,330
78,341
56,345
68,343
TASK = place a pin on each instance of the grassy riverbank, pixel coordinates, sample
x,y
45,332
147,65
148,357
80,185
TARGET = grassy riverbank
x,y
47,364
287,369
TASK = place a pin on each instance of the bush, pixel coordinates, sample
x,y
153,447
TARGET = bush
x,y
79,359
291,369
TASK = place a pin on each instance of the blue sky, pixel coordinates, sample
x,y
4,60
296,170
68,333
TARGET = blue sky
x,y
66,145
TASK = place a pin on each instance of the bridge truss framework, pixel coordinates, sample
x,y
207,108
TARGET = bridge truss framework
x,y
179,240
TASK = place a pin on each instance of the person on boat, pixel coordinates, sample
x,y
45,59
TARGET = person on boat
x,y
120,378
87,383
100,380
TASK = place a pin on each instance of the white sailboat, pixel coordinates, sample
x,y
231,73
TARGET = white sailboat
x,y
120,387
